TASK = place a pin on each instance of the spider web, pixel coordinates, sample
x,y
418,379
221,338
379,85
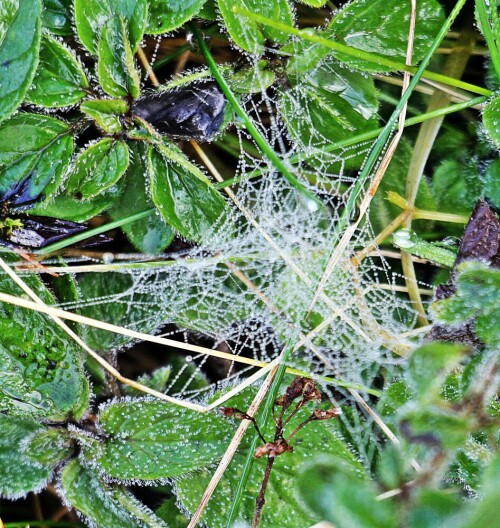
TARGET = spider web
x,y
248,287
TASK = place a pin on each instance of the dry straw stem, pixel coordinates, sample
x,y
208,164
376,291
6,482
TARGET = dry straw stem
x,y
57,315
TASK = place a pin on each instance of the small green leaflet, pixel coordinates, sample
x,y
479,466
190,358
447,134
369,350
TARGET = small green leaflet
x,y
98,167
106,113
184,197
92,15
57,17
104,505
20,30
166,15
382,27
249,35
60,79
37,146
117,73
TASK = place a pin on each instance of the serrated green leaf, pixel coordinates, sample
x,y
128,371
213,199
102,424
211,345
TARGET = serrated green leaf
x,y
145,315
36,147
106,113
150,235
118,75
166,15
98,167
42,371
60,79
18,473
382,27
56,16
429,365
329,103
151,440
409,241
491,180
104,505
20,30
187,202
341,495
92,15
284,507
491,120
250,35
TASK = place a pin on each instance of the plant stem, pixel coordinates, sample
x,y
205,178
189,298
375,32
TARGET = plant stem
x,y
261,498
278,163
360,54
455,66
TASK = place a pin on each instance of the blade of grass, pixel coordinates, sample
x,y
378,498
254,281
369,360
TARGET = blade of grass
x,y
484,21
93,232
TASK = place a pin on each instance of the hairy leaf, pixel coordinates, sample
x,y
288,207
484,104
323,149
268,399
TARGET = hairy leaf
x,y
118,75
19,473
92,15
106,113
20,30
104,505
60,79
382,27
186,199
42,371
35,151
151,440
249,35
166,15
98,167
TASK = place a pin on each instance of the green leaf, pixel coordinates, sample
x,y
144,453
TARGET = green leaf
x,y
42,372
150,235
429,365
166,15
92,15
491,120
313,3
144,316
56,16
248,81
20,29
329,104
153,440
60,79
20,474
104,505
382,27
106,113
98,167
186,199
341,495
37,147
250,35
303,55
118,75
491,179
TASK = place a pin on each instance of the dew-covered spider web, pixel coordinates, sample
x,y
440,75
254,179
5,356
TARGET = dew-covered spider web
x,y
247,288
